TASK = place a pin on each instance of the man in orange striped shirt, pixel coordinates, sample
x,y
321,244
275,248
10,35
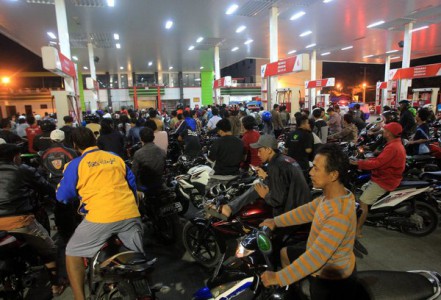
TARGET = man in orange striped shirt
x,y
328,261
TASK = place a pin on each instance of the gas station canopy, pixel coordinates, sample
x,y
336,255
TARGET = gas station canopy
x,y
138,26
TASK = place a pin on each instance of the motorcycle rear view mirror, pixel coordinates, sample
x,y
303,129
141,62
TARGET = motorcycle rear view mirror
x,y
264,243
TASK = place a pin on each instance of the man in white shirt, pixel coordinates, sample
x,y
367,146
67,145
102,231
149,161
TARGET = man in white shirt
x,y
214,119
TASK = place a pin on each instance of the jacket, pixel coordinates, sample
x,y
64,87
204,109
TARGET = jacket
x,y
17,184
148,165
408,122
55,159
287,185
387,168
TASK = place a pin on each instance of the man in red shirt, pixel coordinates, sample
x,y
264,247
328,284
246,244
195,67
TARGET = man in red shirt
x,y
250,136
387,170
31,132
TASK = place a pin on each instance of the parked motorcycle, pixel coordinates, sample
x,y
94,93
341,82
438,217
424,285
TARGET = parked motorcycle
x,y
239,278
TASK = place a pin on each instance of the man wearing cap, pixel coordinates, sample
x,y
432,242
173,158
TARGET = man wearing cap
x,y
407,119
387,170
283,187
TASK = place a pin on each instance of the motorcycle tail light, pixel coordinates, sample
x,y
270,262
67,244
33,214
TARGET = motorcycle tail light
x,y
241,251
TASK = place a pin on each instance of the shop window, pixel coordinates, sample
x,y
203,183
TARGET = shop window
x,y
43,106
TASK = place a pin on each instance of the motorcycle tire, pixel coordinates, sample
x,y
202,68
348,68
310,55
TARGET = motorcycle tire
x,y
184,202
201,244
122,291
430,220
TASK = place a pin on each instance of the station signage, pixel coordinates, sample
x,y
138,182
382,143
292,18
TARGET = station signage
x,y
56,62
416,72
223,82
382,85
292,64
92,84
320,83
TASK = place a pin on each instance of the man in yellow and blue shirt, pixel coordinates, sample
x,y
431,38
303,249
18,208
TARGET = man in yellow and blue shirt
x,y
106,189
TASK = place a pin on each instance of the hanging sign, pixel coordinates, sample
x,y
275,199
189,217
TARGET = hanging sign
x,y
56,62
416,72
382,85
292,64
320,83
222,82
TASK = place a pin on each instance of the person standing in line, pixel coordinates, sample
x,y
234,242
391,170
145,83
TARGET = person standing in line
x,y
277,121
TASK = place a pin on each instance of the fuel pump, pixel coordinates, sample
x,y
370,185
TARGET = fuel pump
x,y
283,97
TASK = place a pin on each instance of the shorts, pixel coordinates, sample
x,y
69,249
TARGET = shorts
x,y
89,237
371,192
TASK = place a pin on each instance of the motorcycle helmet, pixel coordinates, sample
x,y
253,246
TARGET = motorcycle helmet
x,y
47,126
266,116
91,119
390,116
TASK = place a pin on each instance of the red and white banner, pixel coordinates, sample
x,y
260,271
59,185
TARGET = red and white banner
x,y
382,85
56,62
320,83
296,63
416,72
222,82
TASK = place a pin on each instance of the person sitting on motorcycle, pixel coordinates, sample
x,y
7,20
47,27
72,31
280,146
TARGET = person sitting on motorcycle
x,y
329,261
42,142
106,188
387,170
18,183
419,143
187,133
349,133
148,162
284,186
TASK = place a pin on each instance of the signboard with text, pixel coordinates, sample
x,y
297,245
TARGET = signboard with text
x,y
222,82
416,72
382,85
56,62
320,83
292,64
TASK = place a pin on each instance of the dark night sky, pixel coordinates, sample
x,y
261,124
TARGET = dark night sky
x,y
14,57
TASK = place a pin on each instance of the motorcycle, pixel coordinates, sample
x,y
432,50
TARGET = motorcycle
x,y
239,278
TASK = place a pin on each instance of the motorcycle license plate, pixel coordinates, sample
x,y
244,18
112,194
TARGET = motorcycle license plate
x,y
172,208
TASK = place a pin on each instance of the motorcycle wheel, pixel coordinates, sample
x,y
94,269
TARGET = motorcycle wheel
x,y
184,202
429,220
201,244
122,291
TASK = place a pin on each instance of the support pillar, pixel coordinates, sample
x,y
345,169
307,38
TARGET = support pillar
x,y
312,92
93,101
109,93
181,87
406,83
217,74
385,93
274,54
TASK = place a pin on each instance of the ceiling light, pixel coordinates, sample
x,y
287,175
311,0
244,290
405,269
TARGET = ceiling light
x,y
116,36
347,48
232,9
305,33
191,47
375,24
118,46
326,53
240,29
419,28
200,39
170,68
235,49
367,56
391,51
85,68
111,3
326,1
297,15
168,24
394,57
249,41
310,46
201,68
74,57
51,35
121,68
292,51
150,63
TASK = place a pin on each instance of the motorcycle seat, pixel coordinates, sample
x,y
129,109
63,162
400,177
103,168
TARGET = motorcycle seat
x,y
405,184
422,157
431,175
394,285
128,259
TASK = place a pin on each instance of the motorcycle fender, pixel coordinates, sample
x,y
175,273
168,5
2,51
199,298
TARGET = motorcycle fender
x,y
203,223
396,197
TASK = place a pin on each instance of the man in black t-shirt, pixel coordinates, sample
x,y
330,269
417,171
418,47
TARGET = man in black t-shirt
x,y
187,133
300,143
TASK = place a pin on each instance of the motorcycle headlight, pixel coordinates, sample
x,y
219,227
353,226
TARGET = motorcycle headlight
x,y
241,251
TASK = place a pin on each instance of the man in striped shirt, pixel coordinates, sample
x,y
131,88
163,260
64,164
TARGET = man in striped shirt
x,y
328,261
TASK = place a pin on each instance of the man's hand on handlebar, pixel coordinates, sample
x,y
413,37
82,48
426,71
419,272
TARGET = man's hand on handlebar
x,y
268,223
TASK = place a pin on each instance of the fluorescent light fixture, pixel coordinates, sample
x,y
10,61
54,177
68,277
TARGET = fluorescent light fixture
x,y
74,57
170,68
310,46
118,46
85,68
232,9
367,56
249,41
51,35
235,49
391,51
201,68
111,3
347,48
297,15
394,57
292,51
419,28
197,79
200,39
240,29
326,1
191,47
121,68
150,63
375,24
326,53
116,36
168,24
305,33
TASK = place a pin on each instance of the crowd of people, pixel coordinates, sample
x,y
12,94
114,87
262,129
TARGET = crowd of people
x,y
86,163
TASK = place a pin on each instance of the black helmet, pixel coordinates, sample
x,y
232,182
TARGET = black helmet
x,y
47,126
390,116
91,118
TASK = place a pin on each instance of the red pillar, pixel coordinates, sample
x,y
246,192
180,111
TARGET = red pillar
x,y
159,98
135,97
